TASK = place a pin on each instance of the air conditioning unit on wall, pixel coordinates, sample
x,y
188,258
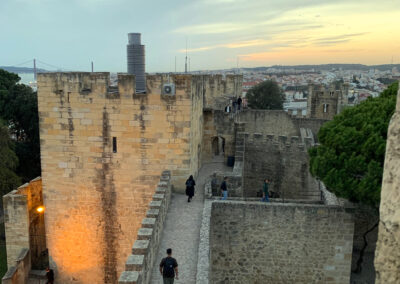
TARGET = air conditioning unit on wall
x,y
168,89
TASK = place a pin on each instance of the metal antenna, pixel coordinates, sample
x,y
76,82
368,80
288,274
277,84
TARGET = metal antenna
x,y
186,58
92,66
34,69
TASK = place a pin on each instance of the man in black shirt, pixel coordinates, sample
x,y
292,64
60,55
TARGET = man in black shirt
x,y
169,268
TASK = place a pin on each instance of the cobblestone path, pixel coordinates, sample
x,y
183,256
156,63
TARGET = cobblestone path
x,y
182,229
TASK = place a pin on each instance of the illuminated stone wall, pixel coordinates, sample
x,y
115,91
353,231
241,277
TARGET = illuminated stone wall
x,y
24,226
95,196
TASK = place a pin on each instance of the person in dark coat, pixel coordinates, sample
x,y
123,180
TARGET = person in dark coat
x,y
190,183
239,102
49,275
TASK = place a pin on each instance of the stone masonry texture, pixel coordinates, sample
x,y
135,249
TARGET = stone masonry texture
x,y
325,102
282,159
387,254
253,242
24,226
102,150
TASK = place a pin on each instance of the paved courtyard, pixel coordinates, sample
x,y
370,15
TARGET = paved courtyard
x,y
182,228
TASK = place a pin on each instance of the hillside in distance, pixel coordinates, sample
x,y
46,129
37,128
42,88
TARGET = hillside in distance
x,y
17,70
328,67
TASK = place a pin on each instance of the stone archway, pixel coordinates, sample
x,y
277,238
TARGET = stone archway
x,y
217,145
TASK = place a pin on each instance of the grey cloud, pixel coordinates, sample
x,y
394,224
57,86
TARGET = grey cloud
x,y
331,42
343,36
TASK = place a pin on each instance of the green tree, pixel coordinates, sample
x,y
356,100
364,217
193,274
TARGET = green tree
x,y
266,95
8,162
18,108
350,157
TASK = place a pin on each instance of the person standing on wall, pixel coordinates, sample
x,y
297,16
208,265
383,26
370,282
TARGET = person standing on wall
x,y
169,268
239,102
190,183
234,106
224,189
265,191
244,102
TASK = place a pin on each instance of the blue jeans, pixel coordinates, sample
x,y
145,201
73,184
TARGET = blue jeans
x,y
265,198
225,195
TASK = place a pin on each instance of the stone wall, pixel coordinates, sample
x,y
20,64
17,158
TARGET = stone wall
x,y
218,123
102,149
215,87
196,126
313,124
254,242
324,102
277,122
24,226
284,160
144,251
387,255
19,272
235,177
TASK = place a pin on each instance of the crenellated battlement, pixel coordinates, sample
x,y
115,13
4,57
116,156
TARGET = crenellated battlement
x,y
282,142
87,83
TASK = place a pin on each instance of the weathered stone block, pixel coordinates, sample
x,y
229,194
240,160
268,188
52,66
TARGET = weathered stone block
x,y
148,222
129,277
155,204
140,247
144,234
134,262
153,213
158,197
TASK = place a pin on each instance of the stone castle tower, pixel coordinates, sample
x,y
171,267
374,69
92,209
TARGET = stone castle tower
x,y
102,150
325,102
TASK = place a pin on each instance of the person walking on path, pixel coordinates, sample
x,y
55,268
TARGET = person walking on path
x,y
169,268
224,189
190,183
239,102
265,191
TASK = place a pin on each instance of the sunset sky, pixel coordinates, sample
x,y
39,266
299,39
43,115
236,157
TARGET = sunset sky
x,y
219,33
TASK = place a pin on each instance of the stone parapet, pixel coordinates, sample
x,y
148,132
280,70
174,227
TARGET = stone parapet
x,y
280,142
139,264
279,243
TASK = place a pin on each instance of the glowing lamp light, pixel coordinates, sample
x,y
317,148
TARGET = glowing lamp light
x,y
40,209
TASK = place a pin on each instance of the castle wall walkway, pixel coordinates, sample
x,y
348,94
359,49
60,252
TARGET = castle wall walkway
x,y
182,228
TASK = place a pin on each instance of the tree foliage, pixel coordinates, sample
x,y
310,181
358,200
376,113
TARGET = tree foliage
x,y
8,162
350,157
18,108
266,95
